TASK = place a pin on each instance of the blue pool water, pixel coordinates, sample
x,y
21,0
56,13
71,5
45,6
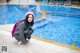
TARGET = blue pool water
x,y
60,9
62,30
15,13
61,24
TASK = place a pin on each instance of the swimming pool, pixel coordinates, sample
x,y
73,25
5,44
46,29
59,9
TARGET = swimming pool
x,y
61,24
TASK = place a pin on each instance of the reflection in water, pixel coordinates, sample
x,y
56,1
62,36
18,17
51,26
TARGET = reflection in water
x,y
54,18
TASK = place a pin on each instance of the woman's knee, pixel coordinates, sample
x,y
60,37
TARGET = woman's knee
x,y
28,34
30,31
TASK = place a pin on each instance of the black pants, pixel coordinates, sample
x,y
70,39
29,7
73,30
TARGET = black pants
x,y
26,35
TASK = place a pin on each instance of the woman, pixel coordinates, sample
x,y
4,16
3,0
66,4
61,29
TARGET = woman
x,y
24,29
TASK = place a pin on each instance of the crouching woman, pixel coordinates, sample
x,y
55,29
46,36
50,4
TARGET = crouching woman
x,y
25,29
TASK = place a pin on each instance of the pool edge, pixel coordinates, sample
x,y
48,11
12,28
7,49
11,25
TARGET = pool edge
x,y
56,43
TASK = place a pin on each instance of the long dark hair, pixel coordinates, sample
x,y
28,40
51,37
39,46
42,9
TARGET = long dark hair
x,y
29,23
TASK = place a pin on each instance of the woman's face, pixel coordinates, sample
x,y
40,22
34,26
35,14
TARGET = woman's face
x,y
30,18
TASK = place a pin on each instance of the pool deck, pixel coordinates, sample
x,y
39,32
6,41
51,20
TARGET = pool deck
x,y
34,46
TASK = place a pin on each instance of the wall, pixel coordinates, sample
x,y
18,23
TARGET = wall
x,y
18,2
22,2
2,1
